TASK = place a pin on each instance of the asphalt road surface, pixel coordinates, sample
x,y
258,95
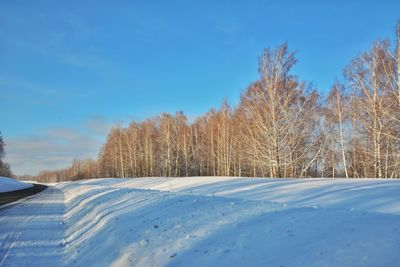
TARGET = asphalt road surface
x,y
12,196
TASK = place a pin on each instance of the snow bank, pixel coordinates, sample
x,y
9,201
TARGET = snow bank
x,y
9,184
379,195
204,222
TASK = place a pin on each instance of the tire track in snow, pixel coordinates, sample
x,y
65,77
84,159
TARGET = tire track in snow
x,y
32,230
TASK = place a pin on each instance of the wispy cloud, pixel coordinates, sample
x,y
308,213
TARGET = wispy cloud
x,y
55,148
42,90
99,125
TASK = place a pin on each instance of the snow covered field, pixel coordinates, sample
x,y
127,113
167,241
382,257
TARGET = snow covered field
x,y
8,184
205,221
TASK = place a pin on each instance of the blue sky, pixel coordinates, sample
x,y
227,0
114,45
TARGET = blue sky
x,y
70,70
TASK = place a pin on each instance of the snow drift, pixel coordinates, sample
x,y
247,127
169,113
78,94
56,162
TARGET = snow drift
x,y
206,222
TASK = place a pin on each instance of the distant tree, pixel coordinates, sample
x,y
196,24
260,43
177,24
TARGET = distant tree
x,y
1,146
371,76
5,169
282,117
335,118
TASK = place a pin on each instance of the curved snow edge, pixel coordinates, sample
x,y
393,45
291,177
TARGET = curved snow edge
x,y
9,185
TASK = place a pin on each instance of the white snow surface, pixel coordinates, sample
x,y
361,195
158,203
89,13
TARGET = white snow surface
x,y
205,221
9,184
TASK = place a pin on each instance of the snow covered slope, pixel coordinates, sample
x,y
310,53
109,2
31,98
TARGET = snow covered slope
x,y
381,195
9,184
205,222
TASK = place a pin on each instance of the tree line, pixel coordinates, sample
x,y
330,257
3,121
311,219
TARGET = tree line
x,y
282,127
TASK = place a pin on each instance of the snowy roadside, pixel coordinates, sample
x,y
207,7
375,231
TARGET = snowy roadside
x,y
9,184
108,222
13,191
